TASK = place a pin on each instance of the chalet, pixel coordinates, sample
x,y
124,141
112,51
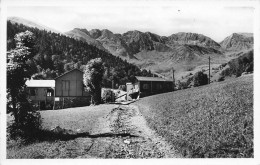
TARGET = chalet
x,y
40,90
70,84
146,86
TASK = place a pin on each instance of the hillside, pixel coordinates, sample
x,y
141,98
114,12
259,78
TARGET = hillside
x,y
56,54
32,24
215,120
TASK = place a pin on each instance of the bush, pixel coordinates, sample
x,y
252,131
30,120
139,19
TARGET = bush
x,y
122,87
27,123
221,78
108,96
200,79
80,101
244,63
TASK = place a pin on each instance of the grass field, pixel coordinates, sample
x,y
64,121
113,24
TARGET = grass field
x,y
81,119
215,120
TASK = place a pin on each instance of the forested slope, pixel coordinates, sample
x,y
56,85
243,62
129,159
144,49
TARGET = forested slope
x,y
56,54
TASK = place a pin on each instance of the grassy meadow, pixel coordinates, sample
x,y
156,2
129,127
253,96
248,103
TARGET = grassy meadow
x,y
215,120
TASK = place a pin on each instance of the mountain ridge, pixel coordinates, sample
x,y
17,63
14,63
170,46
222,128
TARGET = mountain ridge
x,y
160,53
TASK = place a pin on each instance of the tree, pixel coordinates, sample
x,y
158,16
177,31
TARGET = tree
x,y
26,120
200,79
92,78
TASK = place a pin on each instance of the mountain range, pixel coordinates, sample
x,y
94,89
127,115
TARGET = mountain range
x,y
181,51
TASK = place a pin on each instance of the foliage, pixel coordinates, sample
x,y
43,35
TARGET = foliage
x,y
220,78
210,121
26,120
184,84
122,87
244,63
92,79
108,96
200,78
56,54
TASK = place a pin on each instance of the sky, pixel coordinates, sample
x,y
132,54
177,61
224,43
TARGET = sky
x,y
211,19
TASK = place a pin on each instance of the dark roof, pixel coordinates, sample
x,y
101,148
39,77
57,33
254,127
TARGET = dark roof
x,y
67,73
139,78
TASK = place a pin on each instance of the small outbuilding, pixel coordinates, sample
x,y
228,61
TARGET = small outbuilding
x,y
150,85
40,90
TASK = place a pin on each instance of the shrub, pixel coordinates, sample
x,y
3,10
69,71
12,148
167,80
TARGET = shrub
x,y
27,123
80,101
200,79
122,87
108,96
244,63
221,78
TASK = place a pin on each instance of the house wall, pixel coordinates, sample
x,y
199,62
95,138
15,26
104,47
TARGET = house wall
x,y
70,85
40,94
154,87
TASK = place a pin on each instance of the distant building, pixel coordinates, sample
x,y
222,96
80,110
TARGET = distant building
x,y
40,90
70,84
146,86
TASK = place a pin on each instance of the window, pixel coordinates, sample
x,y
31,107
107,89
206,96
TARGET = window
x,y
50,92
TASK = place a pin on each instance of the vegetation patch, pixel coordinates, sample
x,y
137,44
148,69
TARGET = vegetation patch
x,y
210,121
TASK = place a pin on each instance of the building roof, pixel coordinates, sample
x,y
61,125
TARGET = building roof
x,y
67,73
139,78
40,83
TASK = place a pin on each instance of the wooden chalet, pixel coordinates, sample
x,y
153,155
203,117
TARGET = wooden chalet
x,y
146,86
70,84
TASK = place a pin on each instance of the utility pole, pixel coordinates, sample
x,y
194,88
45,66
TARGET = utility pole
x,y
173,79
209,70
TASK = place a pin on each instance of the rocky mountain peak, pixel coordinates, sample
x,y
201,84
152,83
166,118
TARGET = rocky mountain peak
x,y
95,33
238,41
192,39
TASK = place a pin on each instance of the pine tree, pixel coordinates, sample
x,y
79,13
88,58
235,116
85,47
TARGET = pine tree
x,y
26,120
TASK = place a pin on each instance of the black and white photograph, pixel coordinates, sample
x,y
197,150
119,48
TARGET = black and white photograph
x,y
162,81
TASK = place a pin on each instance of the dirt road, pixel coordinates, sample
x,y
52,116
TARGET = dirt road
x,y
123,133
119,132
